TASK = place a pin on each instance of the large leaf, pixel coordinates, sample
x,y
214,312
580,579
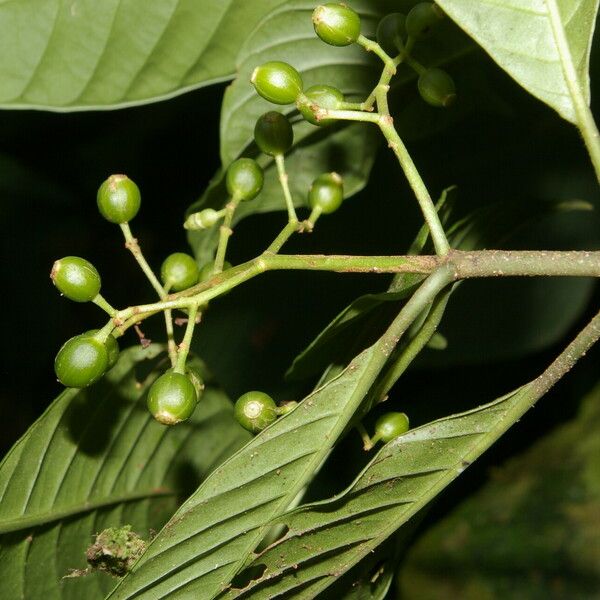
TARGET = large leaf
x,y
97,459
75,55
543,44
287,34
530,531
217,529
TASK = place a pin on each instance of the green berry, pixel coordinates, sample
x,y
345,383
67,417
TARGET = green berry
x,y
118,199
244,179
391,425
172,398
278,82
81,361
255,410
326,192
203,219
336,24
437,88
273,133
324,96
391,32
112,348
206,272
76,278
179,271
422,19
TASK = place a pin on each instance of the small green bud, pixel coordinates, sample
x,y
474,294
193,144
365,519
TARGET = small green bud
x,y
437,88
391,32
244,179
326,192
207,271
255,410
324,96
81,361
277,82
391,425
336,24
172,398
422,19
273,133
118,199
76,278
203,219
179,271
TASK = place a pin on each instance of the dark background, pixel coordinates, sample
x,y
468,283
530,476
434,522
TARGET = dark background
x,y
507,146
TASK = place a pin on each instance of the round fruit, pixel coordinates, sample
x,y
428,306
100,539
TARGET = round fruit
x,y
437,88
391,425
206,272
277,82
172,398
203,219
336,24
422,19
326,192
391,32
179,271
273,133
244,179
255,410
81,361
118,199
325,96
112,348
76,278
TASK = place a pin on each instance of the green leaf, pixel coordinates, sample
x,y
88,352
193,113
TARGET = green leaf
x,y
530,531
80,55
543,44
324,539
96,459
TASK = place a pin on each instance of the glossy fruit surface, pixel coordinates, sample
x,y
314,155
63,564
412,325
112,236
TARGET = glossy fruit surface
x,y
172,398
207,271
437,88
76,278
273,133
244,179
112,348
325,96
422,19
81,361
203,219
277,82
118,199
179,271
326,192
255,410
391,425
336,24
391,33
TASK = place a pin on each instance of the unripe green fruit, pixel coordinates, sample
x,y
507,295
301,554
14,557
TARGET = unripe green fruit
x,y
179,271
76,278
437,88
244,179
277,82
391,32
203,219
325,96
336,24
255,410
273,133
391,425
118,199
81,361
172,398
112,348
206,272
422,19
326,192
